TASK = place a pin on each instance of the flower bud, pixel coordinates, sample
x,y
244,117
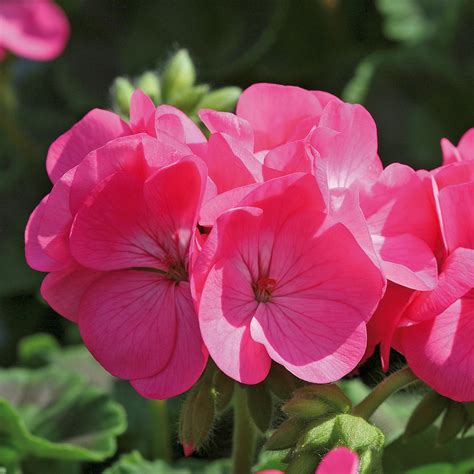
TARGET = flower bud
x,y
122,90
260,405
197,415
426,413
223,99
178,76
304,463
37,350
224,387
286,435
149,83
281,382
188,99
453,422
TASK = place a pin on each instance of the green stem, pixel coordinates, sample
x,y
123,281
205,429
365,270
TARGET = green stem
x,y
243,442
394,382
161,431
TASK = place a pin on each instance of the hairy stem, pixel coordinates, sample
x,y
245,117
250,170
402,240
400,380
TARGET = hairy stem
x,y
243,442
394,382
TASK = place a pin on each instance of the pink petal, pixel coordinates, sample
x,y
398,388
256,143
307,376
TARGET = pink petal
x,y
314,322
454,173
35,255
408,261
441,351
351,156
466,145
457,211
93,131
339,460
273,111
230,164
128,320
228,304
456,278
136,154
53,232
63,289
189,356
230,124
36,29
177,124
450,152
142,113
130,223
325,97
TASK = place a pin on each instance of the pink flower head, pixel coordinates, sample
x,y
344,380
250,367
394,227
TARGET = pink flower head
x,y
279,279
434,329
117,234
33,29
339,460
463,152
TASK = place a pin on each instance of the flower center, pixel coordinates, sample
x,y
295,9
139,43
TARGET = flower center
x,y
176,272
263,289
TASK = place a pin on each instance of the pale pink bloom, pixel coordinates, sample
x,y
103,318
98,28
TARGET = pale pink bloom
x,y
98,127
117,234
279,279
435,329
339,460
463,152
33,29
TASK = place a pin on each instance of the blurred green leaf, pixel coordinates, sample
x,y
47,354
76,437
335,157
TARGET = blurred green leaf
x,y
422,452
49,413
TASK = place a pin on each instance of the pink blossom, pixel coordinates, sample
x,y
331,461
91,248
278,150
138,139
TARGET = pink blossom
x,y
279,279
434,329
33,29
339,460
117,234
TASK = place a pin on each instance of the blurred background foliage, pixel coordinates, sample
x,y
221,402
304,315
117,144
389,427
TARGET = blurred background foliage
x,y
410,62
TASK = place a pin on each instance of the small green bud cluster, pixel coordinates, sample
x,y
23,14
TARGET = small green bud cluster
x,y
176,86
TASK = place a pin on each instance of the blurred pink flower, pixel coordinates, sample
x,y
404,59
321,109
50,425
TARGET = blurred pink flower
x,y
33,29
278,279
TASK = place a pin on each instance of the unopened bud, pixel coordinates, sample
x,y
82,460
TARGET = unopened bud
x,y
453,422
306,407
286,435
197,416
224,387
260,405
304,463
426,413
37,350
178,76
223,99
281,382
149,83
122,90
188,99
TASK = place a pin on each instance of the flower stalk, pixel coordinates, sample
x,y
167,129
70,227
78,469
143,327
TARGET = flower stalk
x,y
394,382
161,430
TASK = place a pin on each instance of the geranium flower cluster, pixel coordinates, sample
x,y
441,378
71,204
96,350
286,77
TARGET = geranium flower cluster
x,y
279,238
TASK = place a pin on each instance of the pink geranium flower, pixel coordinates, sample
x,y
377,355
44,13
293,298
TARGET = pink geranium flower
x,y
316,133
339,460
279,279
435,329
117,234
33,29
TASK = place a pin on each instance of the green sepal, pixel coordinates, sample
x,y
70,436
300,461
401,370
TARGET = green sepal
x,y
281,382
426,413
260,405
286,435
224,387
453,422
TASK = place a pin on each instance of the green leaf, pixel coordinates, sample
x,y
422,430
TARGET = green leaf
x,y
401,456
50,413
